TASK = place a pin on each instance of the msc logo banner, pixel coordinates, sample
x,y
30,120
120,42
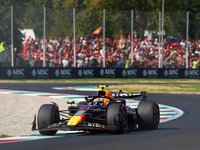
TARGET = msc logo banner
x,y
70,73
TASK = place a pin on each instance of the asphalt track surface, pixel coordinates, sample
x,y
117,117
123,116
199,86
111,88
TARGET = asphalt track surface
x,y
179,134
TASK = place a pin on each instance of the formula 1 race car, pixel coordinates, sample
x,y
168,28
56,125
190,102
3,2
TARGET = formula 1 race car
x,y
102,111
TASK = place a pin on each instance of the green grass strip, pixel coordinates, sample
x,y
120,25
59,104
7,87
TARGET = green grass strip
x,y
5,136
72,97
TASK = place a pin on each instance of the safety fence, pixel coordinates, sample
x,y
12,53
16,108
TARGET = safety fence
x,y
75,73
21,26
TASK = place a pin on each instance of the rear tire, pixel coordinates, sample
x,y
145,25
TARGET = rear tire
x,y
117,114
148,115
47,115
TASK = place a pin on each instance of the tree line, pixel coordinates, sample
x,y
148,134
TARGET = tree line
x,y
89,16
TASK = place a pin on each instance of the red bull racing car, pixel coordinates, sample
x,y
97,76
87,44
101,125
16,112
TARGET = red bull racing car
x,y
102,111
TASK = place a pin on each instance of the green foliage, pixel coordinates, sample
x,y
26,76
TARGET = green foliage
x,y
119,21
175,24
89,17
87,21
5,28
39,3
30,18
59,22
4,136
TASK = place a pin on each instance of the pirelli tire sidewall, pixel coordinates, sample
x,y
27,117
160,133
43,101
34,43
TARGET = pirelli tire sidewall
x,y
117,117
48,114
148,115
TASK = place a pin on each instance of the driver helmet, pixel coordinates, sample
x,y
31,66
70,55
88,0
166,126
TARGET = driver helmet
x,y
98,101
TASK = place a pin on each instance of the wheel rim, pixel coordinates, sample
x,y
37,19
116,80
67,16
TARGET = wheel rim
x,y
157,115
124,119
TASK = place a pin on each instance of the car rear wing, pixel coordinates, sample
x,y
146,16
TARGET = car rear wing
x,y
121,94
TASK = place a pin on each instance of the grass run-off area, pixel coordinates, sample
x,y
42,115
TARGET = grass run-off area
x,y
186,86
4,136
159,88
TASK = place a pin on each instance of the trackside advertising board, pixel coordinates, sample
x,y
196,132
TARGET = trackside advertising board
x,y
69,73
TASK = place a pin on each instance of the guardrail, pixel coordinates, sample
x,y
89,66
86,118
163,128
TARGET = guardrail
x,y
73,73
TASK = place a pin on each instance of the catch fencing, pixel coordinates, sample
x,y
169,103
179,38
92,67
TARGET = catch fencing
x,y
77,23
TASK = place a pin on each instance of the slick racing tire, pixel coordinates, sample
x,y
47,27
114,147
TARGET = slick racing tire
x,y
47,115
148,115
82,103
117,117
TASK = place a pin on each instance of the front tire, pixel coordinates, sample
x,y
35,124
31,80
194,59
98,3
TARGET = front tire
x,y
148,115
47,115
117,117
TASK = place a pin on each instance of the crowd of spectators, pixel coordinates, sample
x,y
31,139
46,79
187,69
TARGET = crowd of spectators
x,y
89,53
